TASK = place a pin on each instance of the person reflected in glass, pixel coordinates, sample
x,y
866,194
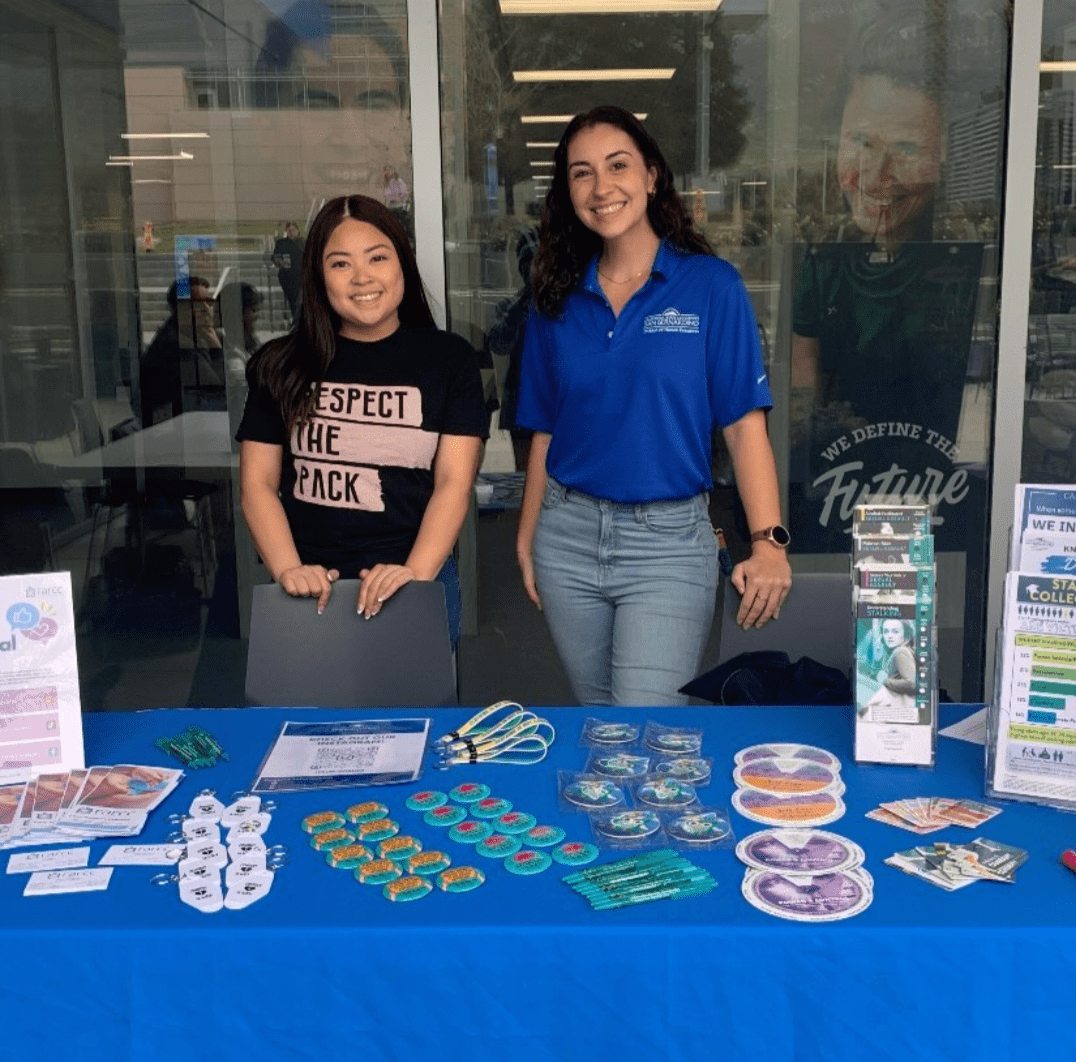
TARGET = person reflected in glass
x,y
641,344
288,259
183,368
397,198
362,433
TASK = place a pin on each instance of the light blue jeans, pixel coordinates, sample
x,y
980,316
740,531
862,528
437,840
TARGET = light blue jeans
x,y
628,592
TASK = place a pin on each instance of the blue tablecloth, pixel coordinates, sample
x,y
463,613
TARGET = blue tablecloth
x,y
522,968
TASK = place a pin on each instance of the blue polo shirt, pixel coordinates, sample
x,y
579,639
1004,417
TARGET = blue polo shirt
x,y
632,402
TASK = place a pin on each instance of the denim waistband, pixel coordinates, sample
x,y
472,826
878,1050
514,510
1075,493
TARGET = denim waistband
x,y
635,508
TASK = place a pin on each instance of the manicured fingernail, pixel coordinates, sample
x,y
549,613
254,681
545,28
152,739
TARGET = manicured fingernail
x,y
321,609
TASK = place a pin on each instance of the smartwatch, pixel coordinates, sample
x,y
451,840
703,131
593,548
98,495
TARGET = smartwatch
x,y
776,536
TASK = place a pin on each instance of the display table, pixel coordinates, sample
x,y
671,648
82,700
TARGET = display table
x,y
325,968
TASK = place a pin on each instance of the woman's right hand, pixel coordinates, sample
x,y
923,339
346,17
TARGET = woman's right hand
x,y
526,569
309,580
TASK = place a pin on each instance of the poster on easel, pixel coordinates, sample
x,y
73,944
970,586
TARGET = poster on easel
x,y
40,707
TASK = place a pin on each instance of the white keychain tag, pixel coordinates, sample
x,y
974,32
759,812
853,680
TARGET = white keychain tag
x,y
245,845
206,806
252,864
241,809
204,896
251,825
213,853
248,889
201,830
197,870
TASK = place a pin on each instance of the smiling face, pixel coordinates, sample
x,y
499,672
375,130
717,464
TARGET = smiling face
x,y
892,633
890,155
609,182
363,280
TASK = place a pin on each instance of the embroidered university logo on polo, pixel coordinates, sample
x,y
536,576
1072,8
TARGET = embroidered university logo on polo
x,y
671,320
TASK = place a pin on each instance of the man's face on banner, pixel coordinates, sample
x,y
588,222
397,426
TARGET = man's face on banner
x,y
340,120
890,155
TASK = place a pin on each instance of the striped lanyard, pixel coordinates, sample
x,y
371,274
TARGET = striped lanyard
x,y
517,737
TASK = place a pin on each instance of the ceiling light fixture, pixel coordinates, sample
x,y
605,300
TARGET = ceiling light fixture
x,y
641,73
560,119
165,136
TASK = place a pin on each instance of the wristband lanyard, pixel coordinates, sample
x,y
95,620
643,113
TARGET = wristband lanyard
x,y
519,737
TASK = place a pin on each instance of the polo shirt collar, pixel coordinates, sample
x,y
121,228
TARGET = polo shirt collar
x,y
665,263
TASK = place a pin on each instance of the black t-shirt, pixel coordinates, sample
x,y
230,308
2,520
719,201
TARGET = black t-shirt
x,y
357,477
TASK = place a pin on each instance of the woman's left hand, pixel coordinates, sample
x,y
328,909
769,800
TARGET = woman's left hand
x,y
763,580
379,583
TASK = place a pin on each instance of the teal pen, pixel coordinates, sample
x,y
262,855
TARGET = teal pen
x,y
675,894
646,882
622,865
668,867
664,883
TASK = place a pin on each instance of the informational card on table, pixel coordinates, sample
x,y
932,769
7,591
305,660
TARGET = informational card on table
x,y
40,709
346,753
1032,733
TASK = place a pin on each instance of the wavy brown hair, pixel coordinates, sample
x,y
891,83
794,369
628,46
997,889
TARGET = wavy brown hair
x,y
292,366
566,245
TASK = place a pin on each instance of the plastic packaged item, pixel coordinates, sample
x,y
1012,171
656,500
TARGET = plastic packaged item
x,y
602,734
663,794
699,829
579,791
627,829
697,770
672,740
617,765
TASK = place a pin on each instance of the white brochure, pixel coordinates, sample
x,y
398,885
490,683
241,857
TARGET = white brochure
x,y
54,882
50,859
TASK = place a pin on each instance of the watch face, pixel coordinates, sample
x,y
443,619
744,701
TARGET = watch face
x,y
780,535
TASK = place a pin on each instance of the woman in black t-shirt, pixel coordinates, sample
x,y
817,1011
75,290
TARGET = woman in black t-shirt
x,y
363,429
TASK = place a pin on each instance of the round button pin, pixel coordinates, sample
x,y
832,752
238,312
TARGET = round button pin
x,y
367,812
528,862
445,815
410,888
469,792
498,845
575,853
470,832
543,836
428,798
460,879
490,807
515,822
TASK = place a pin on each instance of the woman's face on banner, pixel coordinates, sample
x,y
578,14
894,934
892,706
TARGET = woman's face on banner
x,y
892,633
340,120
890,155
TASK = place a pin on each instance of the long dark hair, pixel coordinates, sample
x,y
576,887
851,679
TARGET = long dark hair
x,y
566,245
292,366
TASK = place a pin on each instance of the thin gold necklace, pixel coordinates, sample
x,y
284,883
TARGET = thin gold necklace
x,y
627,280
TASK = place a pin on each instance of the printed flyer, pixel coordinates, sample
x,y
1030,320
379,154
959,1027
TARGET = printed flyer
x,y
40,708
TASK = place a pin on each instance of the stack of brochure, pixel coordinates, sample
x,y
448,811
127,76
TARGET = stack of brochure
x,y
64,808
1031,733
896,687
952,866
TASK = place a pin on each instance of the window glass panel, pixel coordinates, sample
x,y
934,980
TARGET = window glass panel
x,y
846,157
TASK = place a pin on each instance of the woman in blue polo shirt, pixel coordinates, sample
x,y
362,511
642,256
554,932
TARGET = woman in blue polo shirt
x,y
643,342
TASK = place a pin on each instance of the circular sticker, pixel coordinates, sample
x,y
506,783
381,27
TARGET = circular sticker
x,y
666,793
348,856
331,839
575,853
367,812
470,832
699,827
378,871
377,830
770,809
410,888
625,824
543,836
618,765
428,863
399,848
490,807
789,751
469,792
688,769
612,733
528,862
809,897
460,879
799,851
445,815
323,820
676,742
428,798
593,794
498,845
515,822
786,776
